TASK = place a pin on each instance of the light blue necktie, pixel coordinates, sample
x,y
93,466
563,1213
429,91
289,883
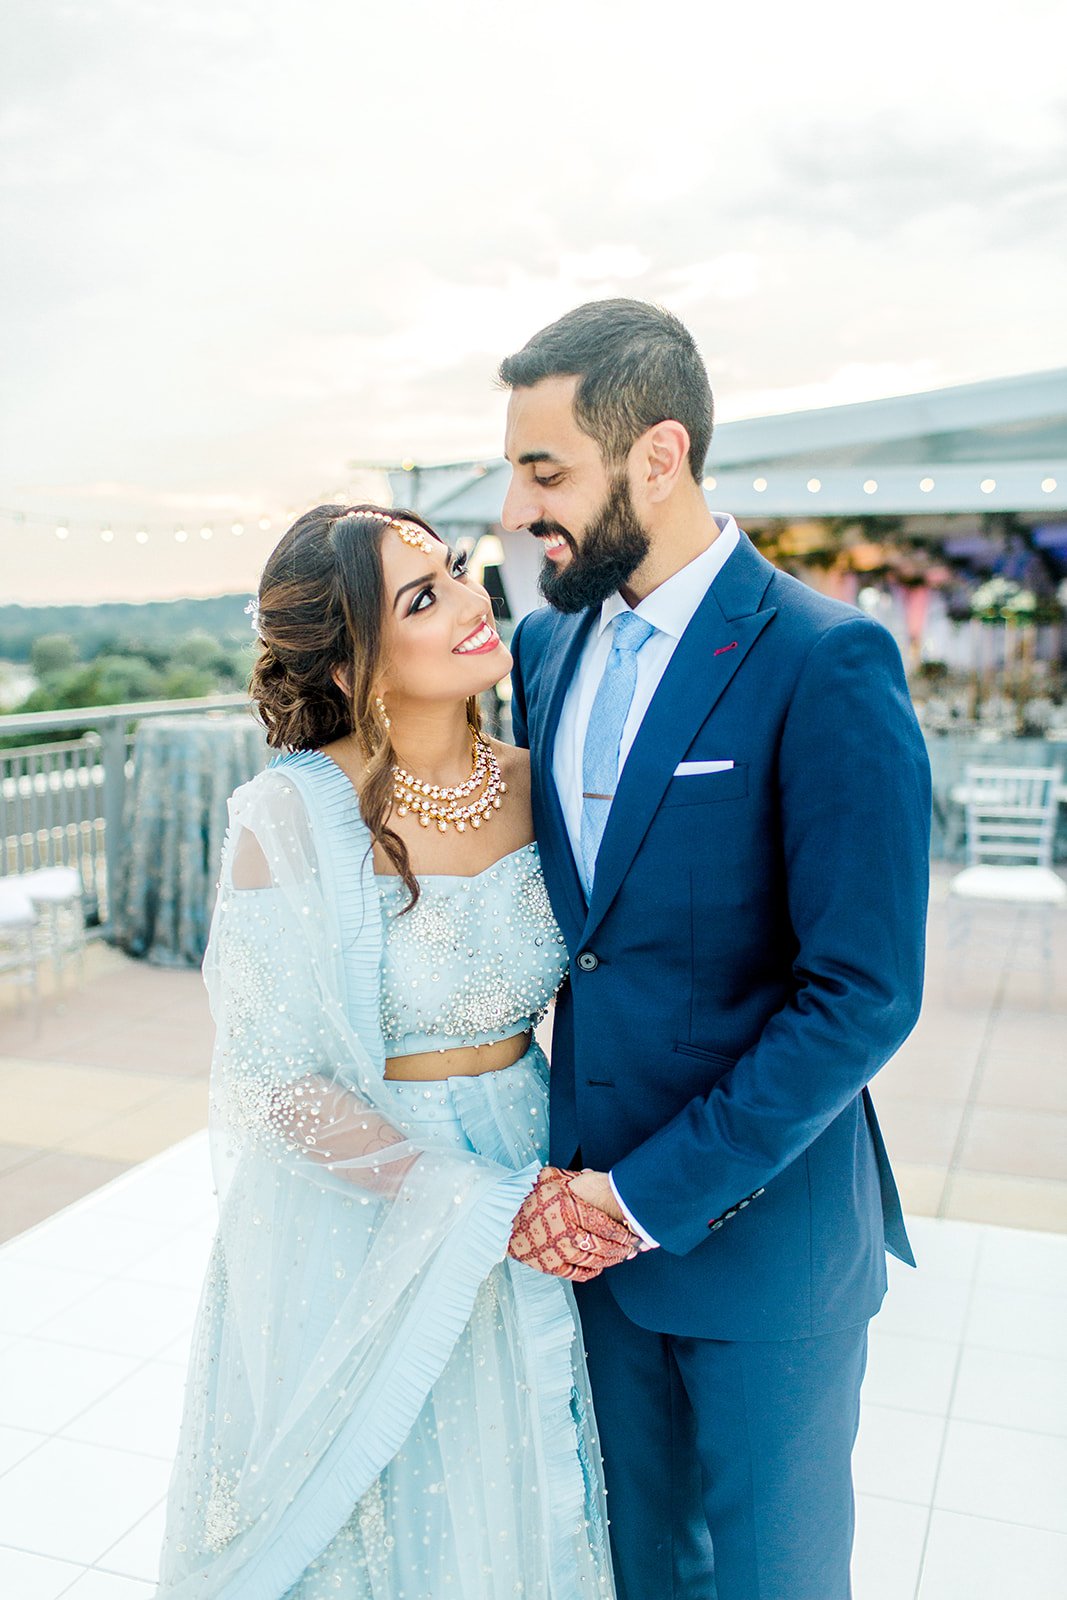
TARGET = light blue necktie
x,y
600,758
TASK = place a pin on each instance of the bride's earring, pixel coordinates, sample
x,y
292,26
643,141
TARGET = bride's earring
x,y
379,706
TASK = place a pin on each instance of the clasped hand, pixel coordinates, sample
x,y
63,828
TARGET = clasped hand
x,y
563,1235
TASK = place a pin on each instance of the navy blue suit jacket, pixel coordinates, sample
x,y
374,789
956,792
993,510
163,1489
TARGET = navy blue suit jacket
x,y
751,956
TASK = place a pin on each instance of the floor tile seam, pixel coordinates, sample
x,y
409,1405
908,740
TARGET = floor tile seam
x,y
41,1437
943,1445
44,1555
108,1350
1002,1522
1059,1432
1007,1427
102,1282
98,1564
61,1434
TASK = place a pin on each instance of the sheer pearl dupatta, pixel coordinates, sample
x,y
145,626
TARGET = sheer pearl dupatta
x,y
348,1256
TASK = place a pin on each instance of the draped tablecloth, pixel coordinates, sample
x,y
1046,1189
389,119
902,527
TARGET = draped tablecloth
x,y
184,769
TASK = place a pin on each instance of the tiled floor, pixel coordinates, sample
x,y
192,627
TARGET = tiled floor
x,y
960,1467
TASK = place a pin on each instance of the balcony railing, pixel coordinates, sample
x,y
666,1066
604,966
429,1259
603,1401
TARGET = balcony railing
x,y
62,801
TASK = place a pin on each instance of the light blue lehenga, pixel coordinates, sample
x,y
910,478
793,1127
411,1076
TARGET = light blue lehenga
x,y
381,1404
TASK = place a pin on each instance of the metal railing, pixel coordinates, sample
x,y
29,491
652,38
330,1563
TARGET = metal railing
x,y
62,801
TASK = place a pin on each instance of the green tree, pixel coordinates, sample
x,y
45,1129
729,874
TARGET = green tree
x,y
52,652
184,682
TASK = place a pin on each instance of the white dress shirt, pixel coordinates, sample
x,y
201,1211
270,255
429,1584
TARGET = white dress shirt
x,y
669,609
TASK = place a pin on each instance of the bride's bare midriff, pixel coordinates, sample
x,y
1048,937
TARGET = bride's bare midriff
x,y
466,1061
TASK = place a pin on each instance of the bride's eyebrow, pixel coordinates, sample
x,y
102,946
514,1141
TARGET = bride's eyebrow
x,y
428,577
416,583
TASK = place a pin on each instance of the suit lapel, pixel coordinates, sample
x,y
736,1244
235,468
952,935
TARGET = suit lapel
x,y
725,627
561,659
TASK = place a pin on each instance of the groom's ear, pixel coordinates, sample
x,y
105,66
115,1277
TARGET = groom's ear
x,y
662,457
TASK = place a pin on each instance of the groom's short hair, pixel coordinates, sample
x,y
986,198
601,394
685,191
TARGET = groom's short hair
x,y
636,365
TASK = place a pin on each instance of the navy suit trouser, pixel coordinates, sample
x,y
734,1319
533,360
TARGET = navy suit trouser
x,y
728,1466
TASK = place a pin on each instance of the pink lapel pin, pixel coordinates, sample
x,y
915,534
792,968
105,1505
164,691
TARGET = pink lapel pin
x,y
721,651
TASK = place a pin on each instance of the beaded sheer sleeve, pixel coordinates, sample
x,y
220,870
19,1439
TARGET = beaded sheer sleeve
x,y
351,1247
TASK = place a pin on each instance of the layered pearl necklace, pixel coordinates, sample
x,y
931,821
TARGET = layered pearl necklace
x,y
432,802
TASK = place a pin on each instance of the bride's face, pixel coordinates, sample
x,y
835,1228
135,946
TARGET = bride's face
x,y
438,638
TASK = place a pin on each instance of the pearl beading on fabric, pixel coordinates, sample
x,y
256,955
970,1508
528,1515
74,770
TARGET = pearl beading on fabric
x,y
475,959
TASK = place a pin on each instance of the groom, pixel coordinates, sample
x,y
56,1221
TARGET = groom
x,y
731,796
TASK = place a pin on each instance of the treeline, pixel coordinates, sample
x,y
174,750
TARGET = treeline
x,y
96,629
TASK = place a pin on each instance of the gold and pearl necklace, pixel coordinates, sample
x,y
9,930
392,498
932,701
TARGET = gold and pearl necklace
x,y
433,802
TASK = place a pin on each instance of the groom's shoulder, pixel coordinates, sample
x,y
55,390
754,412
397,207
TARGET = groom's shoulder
x,y
805,609
536,631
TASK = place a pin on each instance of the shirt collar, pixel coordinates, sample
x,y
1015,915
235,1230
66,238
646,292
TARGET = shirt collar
x,y
671,608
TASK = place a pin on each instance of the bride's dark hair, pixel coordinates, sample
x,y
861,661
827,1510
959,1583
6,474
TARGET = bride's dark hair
x,y
321,605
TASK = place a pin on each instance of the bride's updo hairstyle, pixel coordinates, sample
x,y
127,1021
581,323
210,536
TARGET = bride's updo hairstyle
x,y
319,613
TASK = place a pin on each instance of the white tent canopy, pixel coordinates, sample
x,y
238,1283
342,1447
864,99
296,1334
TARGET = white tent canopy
x,y
994,446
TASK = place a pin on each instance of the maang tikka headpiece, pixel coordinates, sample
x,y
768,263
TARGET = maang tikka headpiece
x,y
411,534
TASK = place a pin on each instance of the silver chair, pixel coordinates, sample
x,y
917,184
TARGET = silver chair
x,y
56,894
1011,826
18,943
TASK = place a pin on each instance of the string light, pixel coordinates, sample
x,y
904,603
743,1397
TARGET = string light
x,y
759,484
62,533
814,485
987,485
871,486
237,529
206,532
709,483
1048,485
181,535
264,523
107,534
926,484
141,536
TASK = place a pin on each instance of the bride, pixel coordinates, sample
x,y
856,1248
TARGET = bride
x,y
385,1400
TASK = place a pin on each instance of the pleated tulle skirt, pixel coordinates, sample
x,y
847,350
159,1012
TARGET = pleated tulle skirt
x,y
497,1490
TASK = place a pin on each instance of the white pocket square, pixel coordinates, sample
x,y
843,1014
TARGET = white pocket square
x,y
689,769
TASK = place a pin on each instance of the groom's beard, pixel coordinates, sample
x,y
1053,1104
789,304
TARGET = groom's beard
x,y
613,547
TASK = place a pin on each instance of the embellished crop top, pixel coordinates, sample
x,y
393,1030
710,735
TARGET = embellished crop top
x,y
475,960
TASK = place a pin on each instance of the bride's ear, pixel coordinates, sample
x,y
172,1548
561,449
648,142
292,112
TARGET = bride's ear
x,y
343,680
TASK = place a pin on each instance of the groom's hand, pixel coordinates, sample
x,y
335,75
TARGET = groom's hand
x,y
559,1232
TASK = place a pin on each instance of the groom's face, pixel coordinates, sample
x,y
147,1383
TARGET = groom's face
x,y
562,492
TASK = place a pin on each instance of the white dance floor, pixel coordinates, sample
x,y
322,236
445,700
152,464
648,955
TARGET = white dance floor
x,y
961,1464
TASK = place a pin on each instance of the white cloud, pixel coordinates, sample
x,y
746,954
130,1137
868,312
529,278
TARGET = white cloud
x,y
257,240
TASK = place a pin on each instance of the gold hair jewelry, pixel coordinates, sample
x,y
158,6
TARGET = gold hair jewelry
x,y
379,706
432,802
411,534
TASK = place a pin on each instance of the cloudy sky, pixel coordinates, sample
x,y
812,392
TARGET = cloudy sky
x,y
249,242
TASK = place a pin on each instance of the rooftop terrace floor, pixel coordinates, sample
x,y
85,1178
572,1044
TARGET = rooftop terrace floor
x,y
961,1465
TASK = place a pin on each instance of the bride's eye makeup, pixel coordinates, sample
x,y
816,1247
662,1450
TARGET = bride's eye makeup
x,y
458,565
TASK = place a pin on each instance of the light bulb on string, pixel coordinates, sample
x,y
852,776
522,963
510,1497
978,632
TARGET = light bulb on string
x,y
237,529
181,535
62,533
264,523
107,534
206,532
141,536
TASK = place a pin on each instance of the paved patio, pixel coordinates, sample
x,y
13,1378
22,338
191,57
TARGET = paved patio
x,y
974,1107
961,1465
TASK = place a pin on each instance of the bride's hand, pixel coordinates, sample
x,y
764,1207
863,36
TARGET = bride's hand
x,y
558,1232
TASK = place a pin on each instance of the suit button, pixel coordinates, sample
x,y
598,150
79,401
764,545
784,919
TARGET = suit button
x,y
588,962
